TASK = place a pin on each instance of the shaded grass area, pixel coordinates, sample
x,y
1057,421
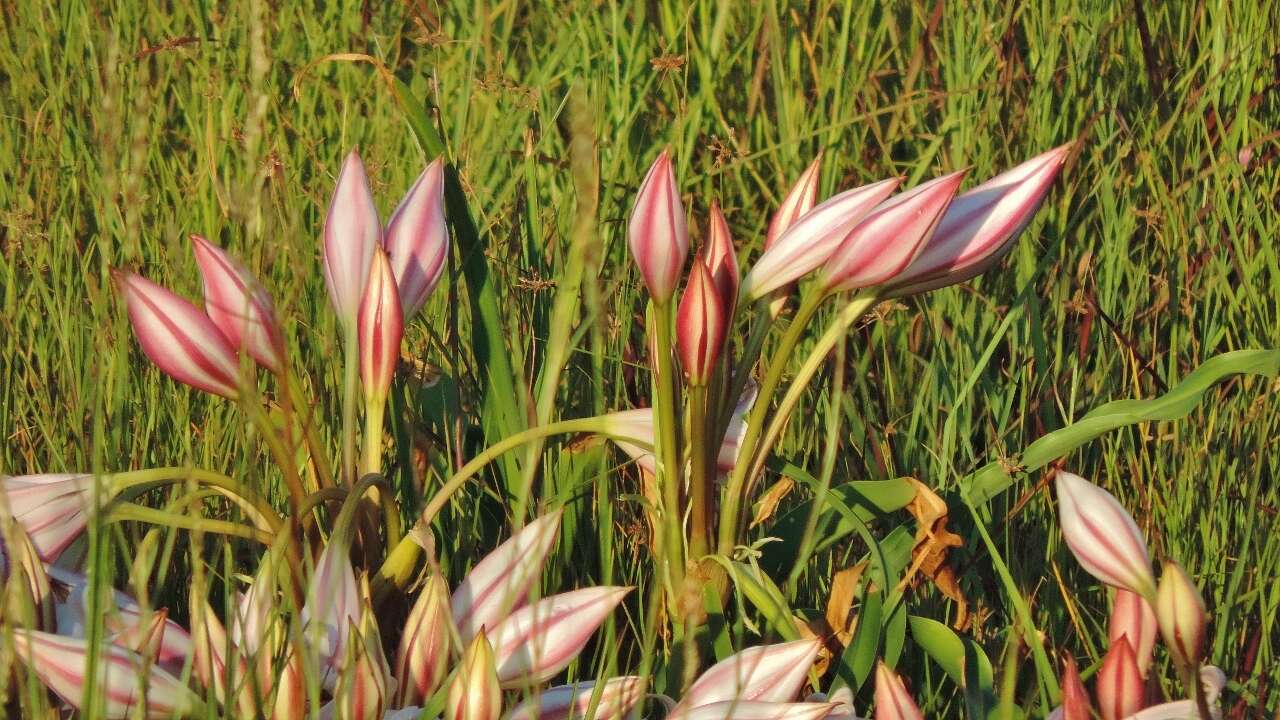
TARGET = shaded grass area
x,y
124,129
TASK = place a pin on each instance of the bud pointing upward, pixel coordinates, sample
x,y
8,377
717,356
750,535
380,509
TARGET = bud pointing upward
x,y
381,327
351,232
1180,611
657,233
701,325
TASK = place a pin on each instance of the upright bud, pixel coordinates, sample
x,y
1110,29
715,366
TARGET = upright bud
x,y
422,660
417,239
1119,684
1102,535
811,240
363,684
474,693
981,224
380,327
1181,615
799,200
881,246
1075,699
351,233
701,325
239,305
657,233
332,606
893,702
722,259
182,341
1132,617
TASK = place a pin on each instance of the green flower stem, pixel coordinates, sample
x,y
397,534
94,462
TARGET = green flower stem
x,y
730,508
399,564
700,477
1050,692
746,361
835,332
286,460
667,450
131,511
315,447
374,409
140,479
350,388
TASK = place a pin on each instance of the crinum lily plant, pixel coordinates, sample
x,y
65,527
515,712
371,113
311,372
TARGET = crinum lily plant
x,y
304,638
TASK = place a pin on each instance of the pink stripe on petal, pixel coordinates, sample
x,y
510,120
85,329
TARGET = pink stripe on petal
x,y
768,673
351,233
539,640
500,582
417,238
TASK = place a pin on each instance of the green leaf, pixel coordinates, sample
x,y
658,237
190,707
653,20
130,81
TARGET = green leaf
x,y
857,660
992,479
764,595
961,659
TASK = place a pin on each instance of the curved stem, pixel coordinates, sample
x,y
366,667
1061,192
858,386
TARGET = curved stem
x,y
159,476
834,334
316,448
773,376
400,561
286,461
132,511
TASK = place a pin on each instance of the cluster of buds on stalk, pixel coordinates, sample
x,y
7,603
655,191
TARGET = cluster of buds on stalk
x,y
1108,544
487,640
863,245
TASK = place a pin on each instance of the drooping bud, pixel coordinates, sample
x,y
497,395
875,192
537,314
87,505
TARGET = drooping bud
x,y
351,233
122,676
893,702
1181,616
537,641
215,662
980,226
627,427
616,699
417,239
799,200
422,661
127,624
754,710
1119,684
657,233
475,693
767,673
702,323
179,339
885,242
500,583
239,305
1133,617
811,240
53,509
380,327
1103,537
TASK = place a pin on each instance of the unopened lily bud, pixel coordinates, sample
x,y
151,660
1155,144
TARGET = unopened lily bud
x,y
767,673
422,661
1075,699
893,702
658,234
500,583
351,233
363,684
1103,537
417,239
1120,688
799,200
475,693
239,305
702,324
1181,616
380,328
567,702
1133,617
721,259
538,641
53,509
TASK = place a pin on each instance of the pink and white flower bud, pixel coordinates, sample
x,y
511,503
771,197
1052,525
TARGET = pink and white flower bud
x,y
216,663
799,200
1102,535
1181,616
885,242
1075,699
239,305
122,677
637,425
537,641
981,224
351,233
1120,687
53,509
1212,679
422,661
616,699
754,710
363,686
417,239
809,242
765,673
1133,617
702,323
657,232
721,259
125,623
893,702
179,339
332,606
474,693
381,327
500,583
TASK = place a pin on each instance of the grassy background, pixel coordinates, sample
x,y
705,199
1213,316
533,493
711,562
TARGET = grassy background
x,y
123,129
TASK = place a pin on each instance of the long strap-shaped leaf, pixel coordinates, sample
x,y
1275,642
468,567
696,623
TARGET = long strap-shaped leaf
x,y
993,479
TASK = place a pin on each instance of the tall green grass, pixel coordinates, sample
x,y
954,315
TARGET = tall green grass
x,y
123,128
